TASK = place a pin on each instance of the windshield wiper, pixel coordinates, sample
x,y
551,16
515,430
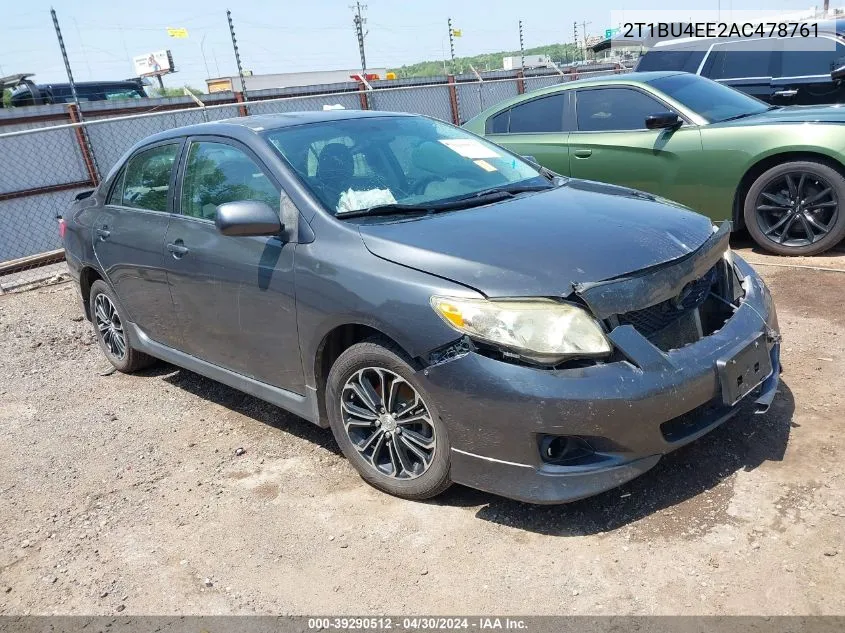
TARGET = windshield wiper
x,y
745,114
466,202
385,209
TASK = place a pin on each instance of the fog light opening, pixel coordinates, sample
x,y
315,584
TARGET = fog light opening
x,y
564,449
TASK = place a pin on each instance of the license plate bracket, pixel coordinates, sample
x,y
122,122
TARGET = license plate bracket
x,y
745,368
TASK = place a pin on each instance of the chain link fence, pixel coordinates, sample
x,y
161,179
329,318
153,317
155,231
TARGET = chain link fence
x,y
43,166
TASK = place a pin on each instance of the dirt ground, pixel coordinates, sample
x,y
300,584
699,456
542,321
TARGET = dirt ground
x,y
124,493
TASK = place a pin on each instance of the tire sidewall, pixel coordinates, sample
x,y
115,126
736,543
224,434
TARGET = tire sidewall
x,y
100,287
836,234
370,354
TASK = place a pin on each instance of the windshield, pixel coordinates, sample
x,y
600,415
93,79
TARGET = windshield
x,y
707,98
363,163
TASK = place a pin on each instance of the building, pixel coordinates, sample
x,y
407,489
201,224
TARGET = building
x,y
531,61
288,80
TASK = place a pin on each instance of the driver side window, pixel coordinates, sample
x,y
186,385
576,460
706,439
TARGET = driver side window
x,y
614,109
216,173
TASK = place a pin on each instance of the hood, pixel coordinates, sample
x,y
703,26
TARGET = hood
x,y
541,244
794,114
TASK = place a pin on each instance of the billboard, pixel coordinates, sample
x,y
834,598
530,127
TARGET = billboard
x,y
152,64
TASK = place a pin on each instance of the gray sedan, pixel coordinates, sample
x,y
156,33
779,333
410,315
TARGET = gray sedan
x,y
452,311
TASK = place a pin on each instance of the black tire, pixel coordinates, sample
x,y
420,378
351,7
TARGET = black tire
x,y
108,337
763,224
359,362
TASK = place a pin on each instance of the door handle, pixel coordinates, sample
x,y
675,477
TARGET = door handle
x,y
786,93
178,248
103,232
583,153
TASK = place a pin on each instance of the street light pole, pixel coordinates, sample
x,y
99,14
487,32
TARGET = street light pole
x,y
204,60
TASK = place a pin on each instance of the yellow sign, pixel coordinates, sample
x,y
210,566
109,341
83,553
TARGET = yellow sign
x,y
456,32
180,33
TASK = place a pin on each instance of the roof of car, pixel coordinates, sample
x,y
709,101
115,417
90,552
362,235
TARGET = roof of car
x,y
263,122
622,78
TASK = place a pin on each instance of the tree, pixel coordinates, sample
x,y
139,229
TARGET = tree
x,y
7,98
173,92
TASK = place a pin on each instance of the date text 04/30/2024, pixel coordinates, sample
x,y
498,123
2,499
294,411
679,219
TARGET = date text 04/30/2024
x,y
416,623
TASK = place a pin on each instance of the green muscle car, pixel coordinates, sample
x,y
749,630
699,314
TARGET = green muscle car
x,y
776,170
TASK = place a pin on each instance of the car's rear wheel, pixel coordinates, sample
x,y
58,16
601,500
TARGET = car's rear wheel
x,y
797,208
385,423
108,317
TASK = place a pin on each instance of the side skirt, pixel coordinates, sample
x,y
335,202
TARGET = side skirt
x,y
303,406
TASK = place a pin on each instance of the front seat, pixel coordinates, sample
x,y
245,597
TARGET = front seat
x,y
335,167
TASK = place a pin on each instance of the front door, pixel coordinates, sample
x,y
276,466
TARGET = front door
x,y
745,65
234,296
129,240
613,145
803,71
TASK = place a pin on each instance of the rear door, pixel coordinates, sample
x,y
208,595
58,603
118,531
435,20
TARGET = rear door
x,y
536,127
746,65
129,239
802,74
234,296
611,144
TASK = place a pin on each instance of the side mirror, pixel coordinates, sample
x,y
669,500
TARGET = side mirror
x,y
247,217
838,69
662,120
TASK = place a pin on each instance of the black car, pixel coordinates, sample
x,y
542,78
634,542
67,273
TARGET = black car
x,y
451,311
779,70
38,94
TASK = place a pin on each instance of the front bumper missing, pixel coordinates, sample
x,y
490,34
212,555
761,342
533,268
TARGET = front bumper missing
x,y
634,411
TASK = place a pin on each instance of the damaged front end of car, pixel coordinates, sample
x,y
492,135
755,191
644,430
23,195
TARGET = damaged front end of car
x,y
690,339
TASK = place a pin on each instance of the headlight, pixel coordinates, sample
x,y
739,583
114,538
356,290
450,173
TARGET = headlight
x,y
538,329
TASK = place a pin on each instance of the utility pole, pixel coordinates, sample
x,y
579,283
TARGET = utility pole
x,y
575,39
451,44
584,34
521,46
237,54
359,22
67,62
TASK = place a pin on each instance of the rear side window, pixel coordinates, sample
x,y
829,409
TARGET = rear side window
x,y
147,179
797,61
544,114
685,60
116,195
614,109
498,124
217,173
743,59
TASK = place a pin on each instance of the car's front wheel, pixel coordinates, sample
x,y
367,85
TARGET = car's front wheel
x,y
796,208
385,423
109,318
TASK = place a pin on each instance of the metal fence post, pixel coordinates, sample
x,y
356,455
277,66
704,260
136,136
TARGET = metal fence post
x,y
453,100
84,144
520,82
239,97
362,96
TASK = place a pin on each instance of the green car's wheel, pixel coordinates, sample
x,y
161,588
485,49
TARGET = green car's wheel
x,y
797,208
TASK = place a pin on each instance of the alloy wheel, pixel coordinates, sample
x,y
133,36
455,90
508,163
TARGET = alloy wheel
x,y
797,209
388,423
109,326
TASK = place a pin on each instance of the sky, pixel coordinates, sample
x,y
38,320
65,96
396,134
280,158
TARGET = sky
x,y
102,36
